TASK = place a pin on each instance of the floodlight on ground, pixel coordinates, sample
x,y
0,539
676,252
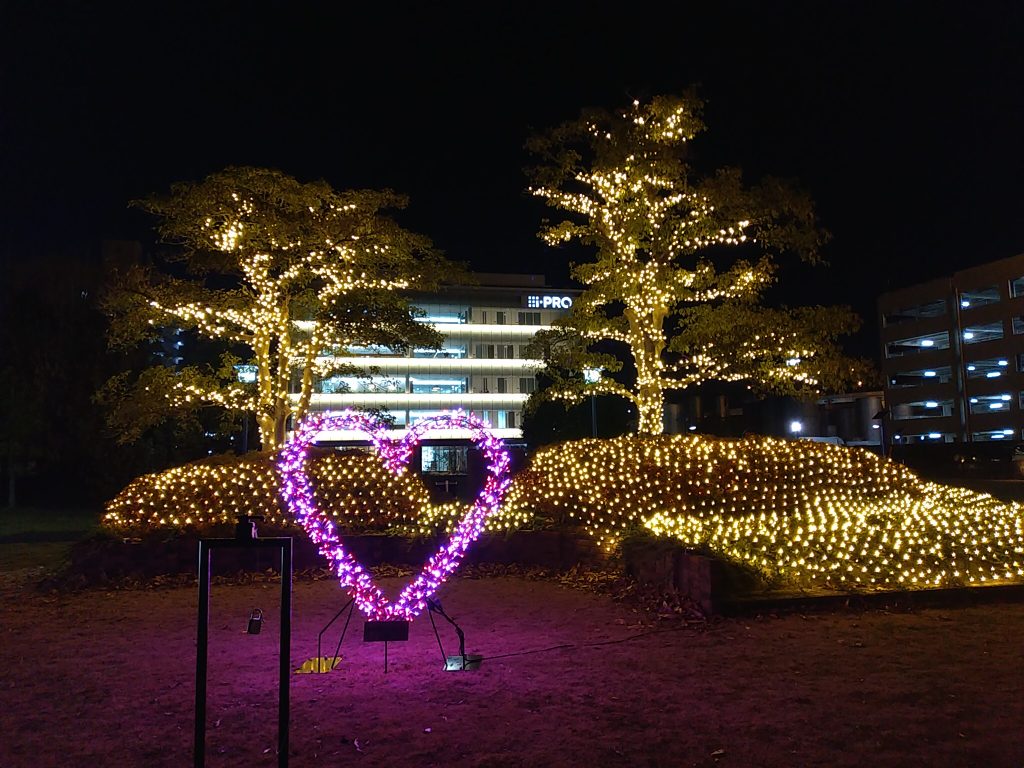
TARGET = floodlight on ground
x,y
462,662
467,663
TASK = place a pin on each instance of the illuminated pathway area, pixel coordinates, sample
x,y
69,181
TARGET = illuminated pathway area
x,y
106,678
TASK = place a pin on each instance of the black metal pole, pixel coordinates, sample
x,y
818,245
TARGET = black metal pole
x,y
245,538
202,646
286,654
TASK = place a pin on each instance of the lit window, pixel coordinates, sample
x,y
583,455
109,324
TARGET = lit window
x,y
922,409
919,376
991,368
909,314
437,385
989,403
444,459
927,437
976,334
979,297
917,344
995,434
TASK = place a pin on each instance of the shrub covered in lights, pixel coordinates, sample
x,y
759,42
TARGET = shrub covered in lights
x,y
801,511
354,486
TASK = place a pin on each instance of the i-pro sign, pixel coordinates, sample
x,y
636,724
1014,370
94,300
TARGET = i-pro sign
x,y
549,302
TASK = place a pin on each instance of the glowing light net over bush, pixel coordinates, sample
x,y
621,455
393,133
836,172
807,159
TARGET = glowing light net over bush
x,y
297,491
804,512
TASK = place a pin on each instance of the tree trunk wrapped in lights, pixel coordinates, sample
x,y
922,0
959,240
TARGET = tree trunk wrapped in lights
x,y
656,284
281,274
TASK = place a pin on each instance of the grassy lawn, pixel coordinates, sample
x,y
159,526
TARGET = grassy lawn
x,y
28,522
47,554
33,538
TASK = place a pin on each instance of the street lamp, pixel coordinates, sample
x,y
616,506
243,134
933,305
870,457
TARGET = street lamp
x,y
592,376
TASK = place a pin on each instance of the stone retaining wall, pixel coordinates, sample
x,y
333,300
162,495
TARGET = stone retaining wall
x,y
710,582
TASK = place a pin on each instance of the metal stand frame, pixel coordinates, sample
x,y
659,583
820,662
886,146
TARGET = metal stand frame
x,y
243,541
373,632
319,637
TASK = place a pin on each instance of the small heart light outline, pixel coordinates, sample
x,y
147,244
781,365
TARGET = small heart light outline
x,y
298,495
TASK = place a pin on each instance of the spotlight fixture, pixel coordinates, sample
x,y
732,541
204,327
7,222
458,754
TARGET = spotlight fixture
x,y
461,662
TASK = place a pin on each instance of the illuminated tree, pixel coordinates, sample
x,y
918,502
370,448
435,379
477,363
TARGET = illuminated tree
x,y
662,282
281,274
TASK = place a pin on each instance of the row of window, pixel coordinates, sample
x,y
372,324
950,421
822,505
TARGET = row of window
x,y
495,418
448,313
501,384
972,334
930,409
423,384
450,350
949,437
992,368
485,317
499,419
968,299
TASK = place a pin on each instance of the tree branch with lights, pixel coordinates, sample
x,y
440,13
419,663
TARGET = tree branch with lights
x,y
661,282
280,274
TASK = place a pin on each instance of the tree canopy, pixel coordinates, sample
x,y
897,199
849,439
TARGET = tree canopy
x,y
277,273
681,264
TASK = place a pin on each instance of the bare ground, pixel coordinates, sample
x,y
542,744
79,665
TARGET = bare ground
x,y
107,679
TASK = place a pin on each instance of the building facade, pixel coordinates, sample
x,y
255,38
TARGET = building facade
x,y
953,356
482,367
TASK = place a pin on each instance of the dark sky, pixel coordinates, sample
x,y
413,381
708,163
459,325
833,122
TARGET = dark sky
x,y
905,121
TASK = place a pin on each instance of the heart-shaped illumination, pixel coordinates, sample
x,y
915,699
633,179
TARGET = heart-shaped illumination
x,y
297,492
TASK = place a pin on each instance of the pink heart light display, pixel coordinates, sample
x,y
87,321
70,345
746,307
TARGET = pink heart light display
x,y
297,492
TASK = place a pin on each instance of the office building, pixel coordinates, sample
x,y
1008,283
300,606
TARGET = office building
x,y
483,365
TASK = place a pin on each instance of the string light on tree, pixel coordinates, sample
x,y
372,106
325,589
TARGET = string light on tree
x,y
653,287
281,269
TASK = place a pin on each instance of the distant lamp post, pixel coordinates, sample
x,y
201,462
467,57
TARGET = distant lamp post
x,y
881,417
796,427
246,375
592,376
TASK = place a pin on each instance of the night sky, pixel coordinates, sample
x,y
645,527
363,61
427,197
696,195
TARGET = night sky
x,y
905,122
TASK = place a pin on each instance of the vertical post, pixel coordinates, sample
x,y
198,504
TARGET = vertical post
x,y
593,416
285,653
242,540
202,646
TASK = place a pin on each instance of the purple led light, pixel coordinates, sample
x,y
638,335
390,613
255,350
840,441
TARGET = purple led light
x,y
298,495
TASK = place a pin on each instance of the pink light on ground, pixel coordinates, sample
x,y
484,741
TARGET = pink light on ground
x,y
298,495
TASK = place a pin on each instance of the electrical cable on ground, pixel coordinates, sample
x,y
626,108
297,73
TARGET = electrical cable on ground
x,y
565,646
